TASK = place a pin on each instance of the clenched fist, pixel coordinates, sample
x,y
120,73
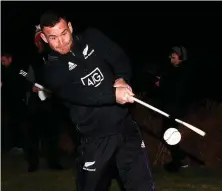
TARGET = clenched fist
x,y
124,95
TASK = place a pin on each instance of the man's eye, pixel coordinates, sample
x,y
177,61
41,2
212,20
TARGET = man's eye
x,y
52,38
64,34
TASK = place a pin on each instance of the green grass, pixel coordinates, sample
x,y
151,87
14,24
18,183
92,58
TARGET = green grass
x,y
15,178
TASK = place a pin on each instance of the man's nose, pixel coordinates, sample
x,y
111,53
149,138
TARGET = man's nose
x,y
60,41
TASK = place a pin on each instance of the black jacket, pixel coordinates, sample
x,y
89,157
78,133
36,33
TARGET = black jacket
x,y
84,80
14,85
176,89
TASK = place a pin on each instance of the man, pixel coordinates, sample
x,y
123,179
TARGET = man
x,y
13,92
90,74
175,89
43,118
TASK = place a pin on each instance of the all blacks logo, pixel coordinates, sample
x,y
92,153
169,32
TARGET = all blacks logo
x,y
93,79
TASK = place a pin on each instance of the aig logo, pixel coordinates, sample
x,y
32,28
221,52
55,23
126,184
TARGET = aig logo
x,y
93,79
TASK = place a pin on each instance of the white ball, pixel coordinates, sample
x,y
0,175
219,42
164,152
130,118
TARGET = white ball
x,y
172,136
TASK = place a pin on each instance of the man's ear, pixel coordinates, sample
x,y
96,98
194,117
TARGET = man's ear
x,y
70,27
43,38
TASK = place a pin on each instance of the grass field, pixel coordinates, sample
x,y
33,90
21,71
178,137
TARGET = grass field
x,y
14,177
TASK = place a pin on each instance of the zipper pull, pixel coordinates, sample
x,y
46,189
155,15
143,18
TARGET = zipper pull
x,y
72,53
77,127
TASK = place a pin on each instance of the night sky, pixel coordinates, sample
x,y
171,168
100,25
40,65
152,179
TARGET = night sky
x,y
146,30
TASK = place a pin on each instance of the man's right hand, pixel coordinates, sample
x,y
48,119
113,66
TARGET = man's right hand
x,y
124,95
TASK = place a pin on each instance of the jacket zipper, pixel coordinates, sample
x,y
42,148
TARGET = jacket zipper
x,y
84,68
72,53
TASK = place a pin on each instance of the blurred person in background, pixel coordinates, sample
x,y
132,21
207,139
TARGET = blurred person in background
x,y
13,106
175,89
44,123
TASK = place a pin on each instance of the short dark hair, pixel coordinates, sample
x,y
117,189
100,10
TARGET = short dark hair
x,y
6,54
181,51
50,19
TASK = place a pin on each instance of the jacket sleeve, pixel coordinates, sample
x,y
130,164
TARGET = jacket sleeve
x,y
28,85
25,81
111,53
76,93
30,79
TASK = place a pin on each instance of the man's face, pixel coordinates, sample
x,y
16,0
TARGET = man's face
x,y
6,61
59,37
174,59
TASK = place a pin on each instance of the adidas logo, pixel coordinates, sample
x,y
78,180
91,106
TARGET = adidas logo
x,y
71,66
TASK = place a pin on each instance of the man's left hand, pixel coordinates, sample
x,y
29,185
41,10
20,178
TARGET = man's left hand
x,y
157,83
35,89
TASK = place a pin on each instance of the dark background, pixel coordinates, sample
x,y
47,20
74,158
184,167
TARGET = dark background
x,y
145,30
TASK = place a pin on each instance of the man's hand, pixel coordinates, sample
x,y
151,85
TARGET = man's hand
x,y
35,89
121,83
124,95
157,83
